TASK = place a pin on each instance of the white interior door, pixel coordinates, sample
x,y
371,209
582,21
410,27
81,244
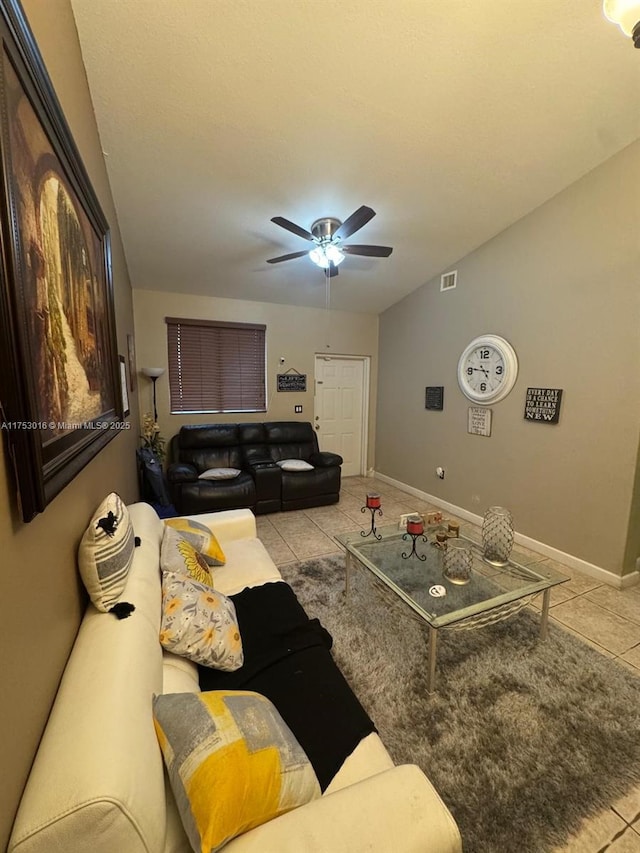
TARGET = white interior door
x,y
340,410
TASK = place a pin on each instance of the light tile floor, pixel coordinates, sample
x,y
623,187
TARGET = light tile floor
x,y
607,619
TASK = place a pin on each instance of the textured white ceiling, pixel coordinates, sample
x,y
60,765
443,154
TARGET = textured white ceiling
x,y
452,120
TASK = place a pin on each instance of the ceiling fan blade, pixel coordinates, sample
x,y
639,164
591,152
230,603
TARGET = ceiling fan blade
x,y
291,226
287,257
354,222
332,270
369,251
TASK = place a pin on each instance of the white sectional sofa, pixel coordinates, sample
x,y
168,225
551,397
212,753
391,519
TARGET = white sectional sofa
x,y
98,782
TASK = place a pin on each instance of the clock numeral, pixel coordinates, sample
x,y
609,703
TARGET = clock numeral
x,y
484,353
483,386
469,371
499,369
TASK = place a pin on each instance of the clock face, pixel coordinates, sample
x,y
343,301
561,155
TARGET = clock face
x,y
487,369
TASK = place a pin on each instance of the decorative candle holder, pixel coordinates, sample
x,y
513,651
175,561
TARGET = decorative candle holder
x,y
453,529
415,530
373,505
457,561
497,536
441,540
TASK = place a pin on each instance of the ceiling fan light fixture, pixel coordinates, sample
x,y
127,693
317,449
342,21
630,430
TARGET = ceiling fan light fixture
x,y
325,254
328,234
626,14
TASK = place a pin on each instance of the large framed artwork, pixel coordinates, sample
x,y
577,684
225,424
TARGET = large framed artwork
x,y
60,382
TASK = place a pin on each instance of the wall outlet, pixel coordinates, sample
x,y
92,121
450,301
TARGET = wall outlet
x,y
297,410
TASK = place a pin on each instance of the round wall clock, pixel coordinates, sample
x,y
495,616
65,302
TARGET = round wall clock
x,y
487,369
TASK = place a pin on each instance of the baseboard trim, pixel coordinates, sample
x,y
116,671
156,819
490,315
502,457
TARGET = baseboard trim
x,y
589,569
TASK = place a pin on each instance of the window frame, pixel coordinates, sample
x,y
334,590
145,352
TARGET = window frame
x,y
225,340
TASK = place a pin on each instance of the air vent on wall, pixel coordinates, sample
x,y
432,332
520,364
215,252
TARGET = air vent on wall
x,y
448,280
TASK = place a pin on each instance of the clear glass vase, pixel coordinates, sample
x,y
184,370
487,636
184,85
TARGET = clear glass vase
x,y
457,561
497,535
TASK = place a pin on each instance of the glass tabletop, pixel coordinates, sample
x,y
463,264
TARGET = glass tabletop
x,y
412,579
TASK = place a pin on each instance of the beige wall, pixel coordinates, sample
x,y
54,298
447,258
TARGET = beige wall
x,y
562,286
296,334
38,582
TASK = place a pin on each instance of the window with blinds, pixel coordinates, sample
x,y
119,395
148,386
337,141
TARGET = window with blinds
x,y
216,366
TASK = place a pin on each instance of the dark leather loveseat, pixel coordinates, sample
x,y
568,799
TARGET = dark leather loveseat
x,y
254,449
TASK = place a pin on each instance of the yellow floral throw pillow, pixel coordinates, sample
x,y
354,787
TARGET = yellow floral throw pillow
x,y
179,555
232,761
200,537
199,623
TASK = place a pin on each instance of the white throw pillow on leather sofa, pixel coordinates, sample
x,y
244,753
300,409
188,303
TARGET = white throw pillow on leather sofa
x,y
294,465
219,474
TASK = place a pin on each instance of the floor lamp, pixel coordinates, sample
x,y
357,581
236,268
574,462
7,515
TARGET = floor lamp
x,y
153,373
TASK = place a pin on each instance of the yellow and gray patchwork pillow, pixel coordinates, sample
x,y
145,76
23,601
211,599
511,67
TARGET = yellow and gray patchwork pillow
x,y
105,555
199,623
232,761
202,539
179,555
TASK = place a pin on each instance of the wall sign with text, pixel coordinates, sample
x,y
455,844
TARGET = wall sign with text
x,y
292,381
479,421
543,405
434,398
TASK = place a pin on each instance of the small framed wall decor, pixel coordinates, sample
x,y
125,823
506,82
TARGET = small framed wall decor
x,y
292,381
479,421
434,398
542,405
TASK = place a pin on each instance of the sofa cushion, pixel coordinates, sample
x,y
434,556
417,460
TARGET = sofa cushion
x,y
248,564
196,436
233,763
201,537
291,439
214,495
106,552
199,623
294,465
298,485
219,474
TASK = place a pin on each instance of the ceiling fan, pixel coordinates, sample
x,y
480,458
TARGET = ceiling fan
x,y
328,233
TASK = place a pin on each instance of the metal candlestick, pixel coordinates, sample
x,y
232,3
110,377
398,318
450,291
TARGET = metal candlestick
x,y
413,552
373,510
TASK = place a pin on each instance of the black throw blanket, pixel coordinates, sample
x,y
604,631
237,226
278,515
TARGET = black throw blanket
x,y
287,659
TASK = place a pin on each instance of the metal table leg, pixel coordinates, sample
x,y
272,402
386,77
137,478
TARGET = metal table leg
x,y
347,568
431,676
544,615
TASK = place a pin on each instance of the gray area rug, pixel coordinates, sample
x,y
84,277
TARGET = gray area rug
x,y
522,740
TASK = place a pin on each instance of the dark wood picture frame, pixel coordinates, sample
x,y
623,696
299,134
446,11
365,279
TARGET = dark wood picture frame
x,y
60,382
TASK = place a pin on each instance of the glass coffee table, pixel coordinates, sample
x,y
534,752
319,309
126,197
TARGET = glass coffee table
x,y
492,593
